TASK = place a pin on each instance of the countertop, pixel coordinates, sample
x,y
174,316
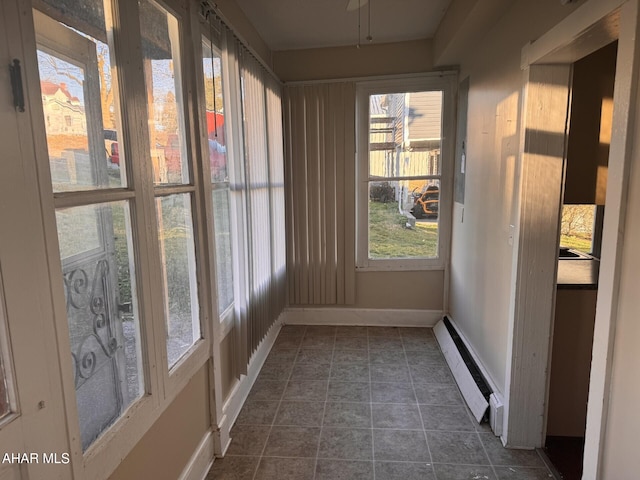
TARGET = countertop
x,y
578,274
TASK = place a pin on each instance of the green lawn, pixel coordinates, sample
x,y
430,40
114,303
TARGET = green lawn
x,y
390,238
576,243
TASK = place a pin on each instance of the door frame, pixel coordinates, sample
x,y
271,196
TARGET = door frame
x,y
547,65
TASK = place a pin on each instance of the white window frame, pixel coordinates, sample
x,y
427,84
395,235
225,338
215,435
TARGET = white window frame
x,y
439,81
161,384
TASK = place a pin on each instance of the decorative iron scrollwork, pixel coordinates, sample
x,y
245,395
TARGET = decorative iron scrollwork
x,y
89,302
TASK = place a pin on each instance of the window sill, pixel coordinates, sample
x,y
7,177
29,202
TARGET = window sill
x,y
399,267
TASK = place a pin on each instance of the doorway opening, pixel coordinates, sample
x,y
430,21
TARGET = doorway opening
x,y
580,244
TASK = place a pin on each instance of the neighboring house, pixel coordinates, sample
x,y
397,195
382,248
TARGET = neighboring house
x,y
63,113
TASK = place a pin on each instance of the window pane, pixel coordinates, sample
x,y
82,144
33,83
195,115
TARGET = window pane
x,y
175,228
212,67
78,96
4,393
224,260
577,227
403,219
104,330
5,407
163,72
405,134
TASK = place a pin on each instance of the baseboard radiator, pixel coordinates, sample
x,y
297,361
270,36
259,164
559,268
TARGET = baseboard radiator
x,y
474,388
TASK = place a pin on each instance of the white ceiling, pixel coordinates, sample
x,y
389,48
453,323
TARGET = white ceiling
x,y
294,24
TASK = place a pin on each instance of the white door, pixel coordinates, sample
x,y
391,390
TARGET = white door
x,y
70,87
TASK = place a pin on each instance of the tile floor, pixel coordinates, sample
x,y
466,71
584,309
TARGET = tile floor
x,y
360,403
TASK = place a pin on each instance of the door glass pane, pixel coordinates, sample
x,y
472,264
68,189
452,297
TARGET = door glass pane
x,y
405,134
163,72
78,96
177,250
100,290
403,219
212,67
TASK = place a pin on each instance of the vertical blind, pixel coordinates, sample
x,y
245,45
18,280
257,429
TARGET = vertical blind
x,y
262,188
320,194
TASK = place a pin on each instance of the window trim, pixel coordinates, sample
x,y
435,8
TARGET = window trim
x,y
161,385
446,82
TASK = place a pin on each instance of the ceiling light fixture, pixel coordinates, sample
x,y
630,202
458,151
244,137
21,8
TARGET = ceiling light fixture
x,y
369,37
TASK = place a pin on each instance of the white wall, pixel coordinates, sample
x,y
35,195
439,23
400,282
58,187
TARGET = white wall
x,y
481,252
621,460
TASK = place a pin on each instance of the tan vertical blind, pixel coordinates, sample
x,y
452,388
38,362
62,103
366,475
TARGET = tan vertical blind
x,y
320,193
263,189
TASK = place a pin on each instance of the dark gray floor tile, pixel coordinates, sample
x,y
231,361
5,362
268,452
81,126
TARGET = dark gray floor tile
x,y
400,445
257,413
387,356
352,415
292,442
392,415
404,471
456,448
463,472
344,470
383,331
390,373
523,473
321,330
293,330
318,341
233,468
301,414
417,343
285,469
438,394
310,371
509,456
450,418
248,439
350,356
392,393
267,390
348,392
385,343
416,332
431,374
345,443
306,391
425,357
287,342
353,343
282,355
351,332
273,370
315,355
350,372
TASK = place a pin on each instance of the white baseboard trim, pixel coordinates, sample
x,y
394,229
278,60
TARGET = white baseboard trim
x,y
470,391
476,358
235,401
362,316
201,460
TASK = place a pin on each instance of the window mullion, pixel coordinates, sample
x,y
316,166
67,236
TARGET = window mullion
x,y
140,170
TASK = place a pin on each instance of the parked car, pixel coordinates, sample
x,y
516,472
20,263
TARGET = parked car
x,y
111,146
426,203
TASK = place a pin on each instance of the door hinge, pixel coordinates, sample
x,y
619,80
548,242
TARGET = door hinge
x,y
16,85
